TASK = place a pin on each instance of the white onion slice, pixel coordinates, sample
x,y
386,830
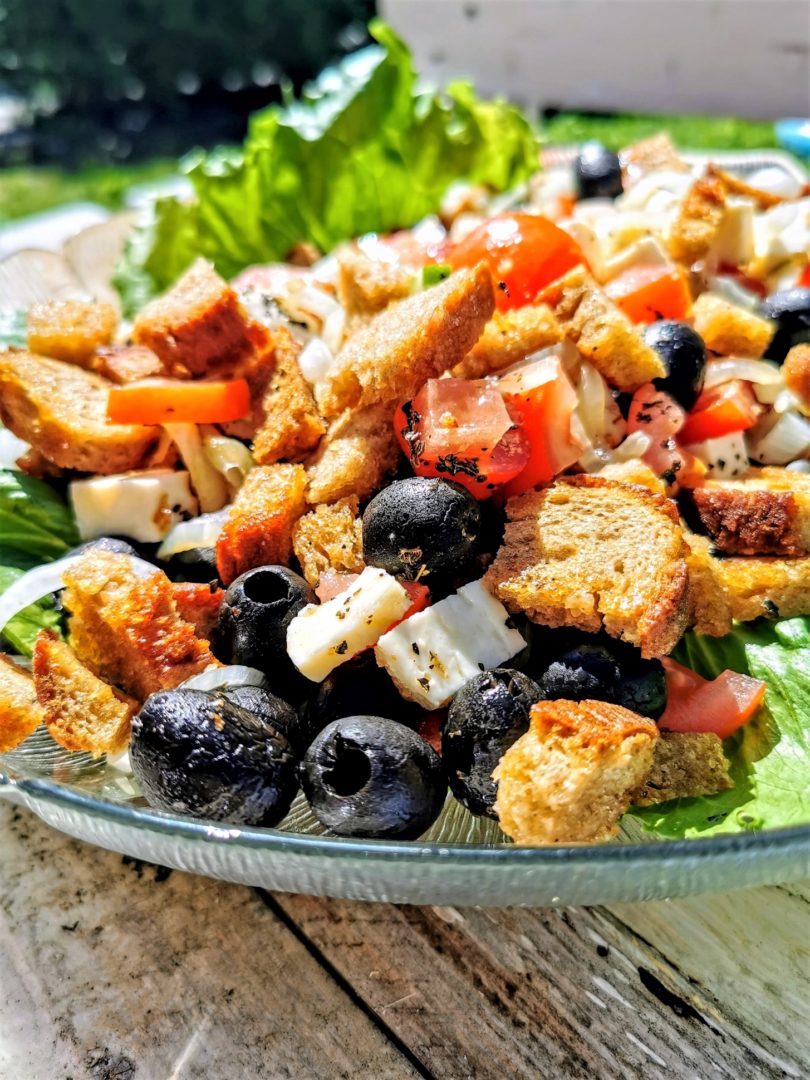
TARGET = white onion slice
x,y
11,448
787,440
315,361
223,678
759,372
634,446
199,532
727,288
230,457
47,579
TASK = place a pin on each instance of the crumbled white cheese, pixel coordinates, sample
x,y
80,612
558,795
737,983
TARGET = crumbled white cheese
x,y
144,506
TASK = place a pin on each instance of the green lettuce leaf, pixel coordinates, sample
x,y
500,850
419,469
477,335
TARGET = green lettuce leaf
x,y
365,149
770,756
13,328
34,519
21,631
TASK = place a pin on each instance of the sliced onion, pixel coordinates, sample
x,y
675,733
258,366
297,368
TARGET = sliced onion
x,y
759,372
120,761
799,466
728,288
230,457
47,579
315,361
224,678
199,532
786,401
787,440
209,484
11,448
634,446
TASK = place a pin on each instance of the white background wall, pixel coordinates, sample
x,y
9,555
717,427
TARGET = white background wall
x,y
739,57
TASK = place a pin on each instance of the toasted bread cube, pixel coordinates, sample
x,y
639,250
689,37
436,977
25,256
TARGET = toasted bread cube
x,y
199,605
127,629
570,778
81,711
796,369
735,186
366,286
510,336
730,330
61,410
355,456
330,538
699,221
259,528
634,471
20,713
685,764
410,342
653,154
596,554
765,513
199,327
70,330
288,422
126,363
601,332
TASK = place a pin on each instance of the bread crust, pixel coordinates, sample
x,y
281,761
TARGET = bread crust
x,y
70,330
330,538
288,424
730,330
699,220
685,764
355,457
20,712
510,336
126,363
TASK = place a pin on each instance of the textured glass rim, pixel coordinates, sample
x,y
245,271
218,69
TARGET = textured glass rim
x,y
785,840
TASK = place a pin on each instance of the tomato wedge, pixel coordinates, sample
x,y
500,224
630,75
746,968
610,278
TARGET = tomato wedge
x,y
804,277
525,252
164,401
721,411
648,293
721,705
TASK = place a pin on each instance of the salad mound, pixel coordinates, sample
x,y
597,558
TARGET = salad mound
x,y
415,466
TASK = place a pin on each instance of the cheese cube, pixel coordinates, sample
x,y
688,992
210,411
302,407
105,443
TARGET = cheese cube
x,y
144,505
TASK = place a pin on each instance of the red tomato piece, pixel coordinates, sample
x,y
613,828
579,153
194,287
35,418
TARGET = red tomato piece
x,y
648,293
165,401
659,416
720,706
332,583
721,411
804,278
525,253
680,679
430,728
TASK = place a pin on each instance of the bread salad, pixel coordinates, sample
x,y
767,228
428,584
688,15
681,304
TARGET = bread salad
x,y
514,500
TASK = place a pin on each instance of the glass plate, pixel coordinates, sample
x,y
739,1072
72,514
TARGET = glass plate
x,y
461,860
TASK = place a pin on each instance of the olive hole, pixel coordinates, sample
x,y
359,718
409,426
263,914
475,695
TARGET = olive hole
x,y
349,774
266,588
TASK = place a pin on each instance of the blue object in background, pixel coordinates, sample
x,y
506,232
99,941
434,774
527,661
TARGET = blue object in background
x,y
794,135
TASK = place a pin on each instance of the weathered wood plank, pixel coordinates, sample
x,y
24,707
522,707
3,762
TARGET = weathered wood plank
x,y
564,993
133,973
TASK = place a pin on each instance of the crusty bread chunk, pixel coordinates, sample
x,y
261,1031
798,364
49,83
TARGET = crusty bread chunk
x,y
743,587
127,629
355,456
259,528
126,363
330,538
70,330
633,471
569,779
510,336
596,554
411,341
199,327
765,513
61,410
601,332
699,220
288,422
685,764
735,186
366,286
81,711
20,713
199,605
729,329
796,370
653,154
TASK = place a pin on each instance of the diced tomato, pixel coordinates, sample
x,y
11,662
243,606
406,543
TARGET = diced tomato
x,y
648,293
658,416
332,583
459,429
525,252
804,278
721,411
720,706
542,400
430,728
752,284
420,599
165,401
680,679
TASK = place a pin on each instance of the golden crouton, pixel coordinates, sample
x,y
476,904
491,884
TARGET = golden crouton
x,y
366,286
70,330
126,363
699,221
735,186
765,513
61,410
20,714
596,554
730,330
288,423
81,711
569,779
685,764
601,332
127,629
633,471
355,456
259,528
510,336
653,154
411,341
199,605
796,370
329,538
199,327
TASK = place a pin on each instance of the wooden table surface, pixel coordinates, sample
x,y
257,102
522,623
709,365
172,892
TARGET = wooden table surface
x,y
118,970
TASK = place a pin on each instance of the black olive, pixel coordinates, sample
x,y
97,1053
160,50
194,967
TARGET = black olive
x,y
684,355
271,710
371,777
421,526
487,715
790,309
256,610
198,753
597,172
105,543
195,564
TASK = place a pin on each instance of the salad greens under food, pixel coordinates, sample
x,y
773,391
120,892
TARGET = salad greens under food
x,y
421,466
